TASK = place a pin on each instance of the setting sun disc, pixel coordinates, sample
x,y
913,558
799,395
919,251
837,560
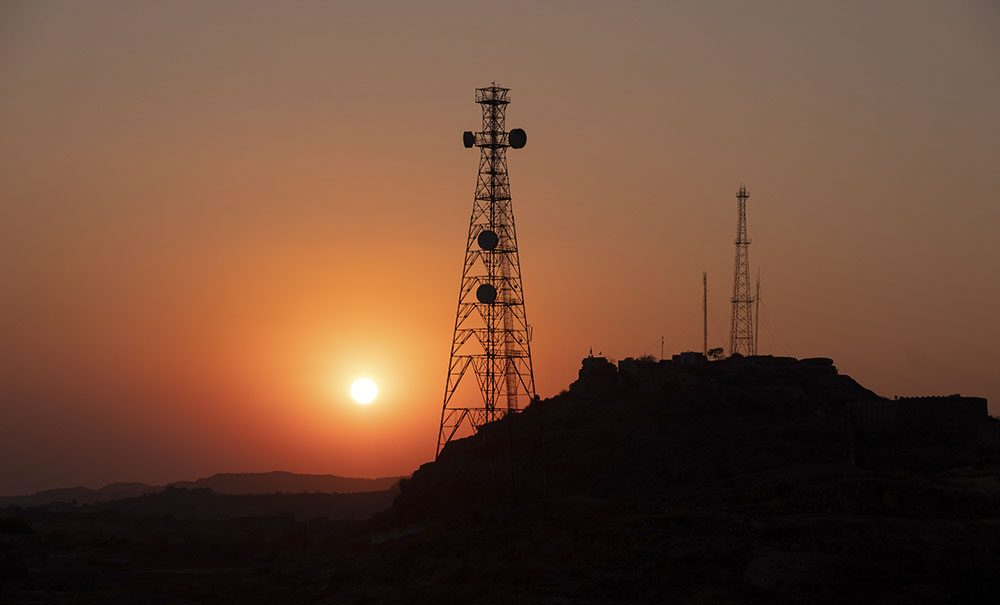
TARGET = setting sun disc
x,y
364,391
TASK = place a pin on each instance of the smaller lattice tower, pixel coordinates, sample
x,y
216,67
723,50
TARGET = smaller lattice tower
x,y
492,337
741,332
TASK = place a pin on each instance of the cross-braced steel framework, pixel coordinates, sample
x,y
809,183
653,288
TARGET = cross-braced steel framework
x,y
741,333
492,336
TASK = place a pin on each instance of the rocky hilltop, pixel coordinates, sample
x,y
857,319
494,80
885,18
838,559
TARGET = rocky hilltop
x,y
754,479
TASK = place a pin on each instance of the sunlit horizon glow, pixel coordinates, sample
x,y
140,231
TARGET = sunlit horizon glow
x,y
218,215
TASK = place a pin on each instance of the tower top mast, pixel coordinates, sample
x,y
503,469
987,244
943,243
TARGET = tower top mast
x,y
741,332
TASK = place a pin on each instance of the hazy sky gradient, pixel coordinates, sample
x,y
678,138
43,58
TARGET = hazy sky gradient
x,y
217,214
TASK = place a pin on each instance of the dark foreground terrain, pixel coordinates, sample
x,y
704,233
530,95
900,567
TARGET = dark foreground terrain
x,y
177,546
745,480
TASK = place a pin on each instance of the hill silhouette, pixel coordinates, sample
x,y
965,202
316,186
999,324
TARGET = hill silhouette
x,y
754,479
81,494
220,483
290,483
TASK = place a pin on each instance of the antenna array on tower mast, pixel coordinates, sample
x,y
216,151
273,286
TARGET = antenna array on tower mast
x,y
741,332
492,336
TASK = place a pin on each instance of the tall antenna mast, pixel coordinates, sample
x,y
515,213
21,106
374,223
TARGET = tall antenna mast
x,y
491,335
741,334
704,313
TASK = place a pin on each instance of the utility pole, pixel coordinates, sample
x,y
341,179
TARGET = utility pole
x,y
704,313
756,316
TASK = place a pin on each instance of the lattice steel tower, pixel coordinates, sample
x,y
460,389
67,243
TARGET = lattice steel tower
x,y
491,336
741,334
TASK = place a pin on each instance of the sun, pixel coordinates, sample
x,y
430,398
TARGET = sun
x,y
364,391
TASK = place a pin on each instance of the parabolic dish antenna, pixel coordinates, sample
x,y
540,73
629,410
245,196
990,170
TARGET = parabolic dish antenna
x,y
486,294
487,239
517,138
468,139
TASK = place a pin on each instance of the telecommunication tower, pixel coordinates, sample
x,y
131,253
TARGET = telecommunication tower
x,y
741,333
492,336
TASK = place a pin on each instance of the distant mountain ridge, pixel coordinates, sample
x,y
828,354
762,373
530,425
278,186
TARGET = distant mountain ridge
x,y
291,483
220,483
81,494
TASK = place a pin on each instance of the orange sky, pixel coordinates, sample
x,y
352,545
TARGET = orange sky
x,y
216,215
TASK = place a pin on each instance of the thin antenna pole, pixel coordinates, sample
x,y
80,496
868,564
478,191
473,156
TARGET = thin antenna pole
x,y
661,347
756,315
704,313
